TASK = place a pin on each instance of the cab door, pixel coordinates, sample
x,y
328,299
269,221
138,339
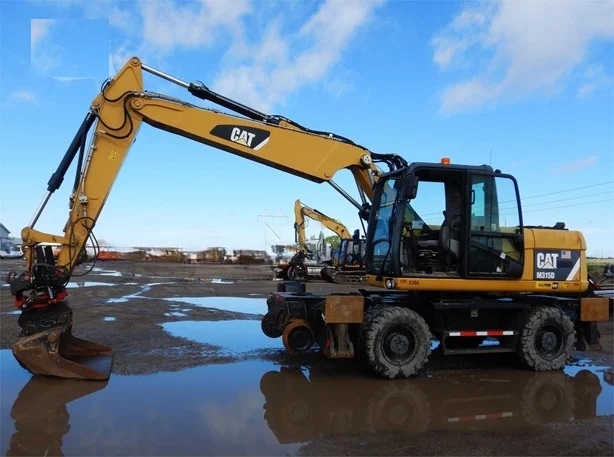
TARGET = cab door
x,y
495,231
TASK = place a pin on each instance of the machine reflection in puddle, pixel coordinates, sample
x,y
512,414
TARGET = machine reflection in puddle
x,y
299,408
258,408
234,304
235,336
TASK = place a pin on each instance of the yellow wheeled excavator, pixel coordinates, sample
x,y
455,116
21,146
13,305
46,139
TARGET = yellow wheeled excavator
x,y
458,269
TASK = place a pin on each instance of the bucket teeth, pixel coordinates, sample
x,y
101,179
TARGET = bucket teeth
x,y
58,353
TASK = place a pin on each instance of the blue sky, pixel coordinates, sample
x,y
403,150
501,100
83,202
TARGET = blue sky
x,y
524,86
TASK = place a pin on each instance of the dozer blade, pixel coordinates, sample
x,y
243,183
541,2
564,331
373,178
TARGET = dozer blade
x,y
56,352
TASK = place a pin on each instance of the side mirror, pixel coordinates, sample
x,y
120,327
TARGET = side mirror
x,y
410,190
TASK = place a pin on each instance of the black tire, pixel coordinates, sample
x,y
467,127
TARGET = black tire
x,y
269,326
547,339
396,342
369,314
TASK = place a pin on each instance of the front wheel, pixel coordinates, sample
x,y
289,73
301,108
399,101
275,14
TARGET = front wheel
x,y
547,339
396,342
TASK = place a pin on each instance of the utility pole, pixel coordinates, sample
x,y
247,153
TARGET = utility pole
x,y
267,217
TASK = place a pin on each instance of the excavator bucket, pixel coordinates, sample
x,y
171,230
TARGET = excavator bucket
x,y
56,352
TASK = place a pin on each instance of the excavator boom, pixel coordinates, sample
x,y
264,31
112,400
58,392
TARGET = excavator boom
x,y
113,121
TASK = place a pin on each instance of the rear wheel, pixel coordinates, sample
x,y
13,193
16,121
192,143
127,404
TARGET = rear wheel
x,y
547,339
395,342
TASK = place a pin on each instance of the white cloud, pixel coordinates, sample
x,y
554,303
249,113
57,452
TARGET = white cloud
x,y
259,68
22,96
279,64
43,53
39,29
595,79
518,47
168,25
461,34
575,165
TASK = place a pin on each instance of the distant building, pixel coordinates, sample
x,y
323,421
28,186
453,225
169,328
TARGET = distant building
x,y
4,235
8,246
4,232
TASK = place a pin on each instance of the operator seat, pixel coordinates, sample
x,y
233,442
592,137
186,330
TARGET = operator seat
x,y
449,235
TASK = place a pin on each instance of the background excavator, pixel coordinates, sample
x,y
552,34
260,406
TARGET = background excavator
x,y
477,273
348,262
321,262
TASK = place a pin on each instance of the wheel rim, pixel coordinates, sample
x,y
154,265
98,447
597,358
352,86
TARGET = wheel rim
x,y
549,341
399,344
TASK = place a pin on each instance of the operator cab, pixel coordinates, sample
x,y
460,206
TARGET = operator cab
x,y
443,220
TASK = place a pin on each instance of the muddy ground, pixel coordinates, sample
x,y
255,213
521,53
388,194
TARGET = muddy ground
x,y
142,346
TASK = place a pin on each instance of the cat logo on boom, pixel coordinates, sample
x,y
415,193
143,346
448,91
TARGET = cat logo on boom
x,y
249,137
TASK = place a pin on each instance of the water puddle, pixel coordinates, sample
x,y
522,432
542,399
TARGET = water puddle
x,y
213,410
221,281
122,299
109,318
115,273
234,304
258,408
103,272
80,284
143,288
235,336
175,314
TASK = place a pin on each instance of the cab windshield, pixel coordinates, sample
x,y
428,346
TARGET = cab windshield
x,y
382,223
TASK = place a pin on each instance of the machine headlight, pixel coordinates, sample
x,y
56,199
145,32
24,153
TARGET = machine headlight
x,y
390,283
